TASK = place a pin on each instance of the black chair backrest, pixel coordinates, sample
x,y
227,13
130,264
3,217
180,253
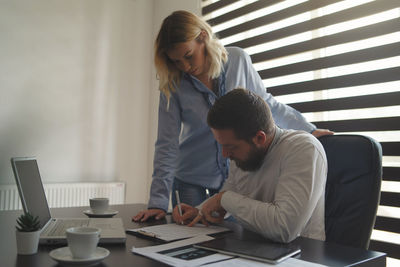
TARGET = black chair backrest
x,y
352,188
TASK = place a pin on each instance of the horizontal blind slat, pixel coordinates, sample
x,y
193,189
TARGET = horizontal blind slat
x,y
387,224
355,102
385,27
368,77
364,55
391,148
241,11
391,174
392,250
217,5
374,124
390,199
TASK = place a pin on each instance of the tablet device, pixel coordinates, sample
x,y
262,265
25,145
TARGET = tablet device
x,y
256,250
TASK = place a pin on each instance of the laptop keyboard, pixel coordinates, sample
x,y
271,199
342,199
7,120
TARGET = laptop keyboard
x,y
60,226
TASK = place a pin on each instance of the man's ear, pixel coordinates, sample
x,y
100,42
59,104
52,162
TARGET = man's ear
x,y
260,138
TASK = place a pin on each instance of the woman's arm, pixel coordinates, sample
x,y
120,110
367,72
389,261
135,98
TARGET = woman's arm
x,y
166,152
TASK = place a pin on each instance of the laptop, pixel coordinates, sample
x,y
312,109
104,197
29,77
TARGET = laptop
x,y
34,201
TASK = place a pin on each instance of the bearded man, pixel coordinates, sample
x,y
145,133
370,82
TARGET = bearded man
x,y
276,181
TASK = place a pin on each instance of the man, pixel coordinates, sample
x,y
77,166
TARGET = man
x,y
276,182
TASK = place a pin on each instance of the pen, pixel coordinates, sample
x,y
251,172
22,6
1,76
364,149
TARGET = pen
x,y
179,203
147,233
214,214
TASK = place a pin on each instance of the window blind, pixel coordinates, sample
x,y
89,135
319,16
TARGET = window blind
x,y
337,62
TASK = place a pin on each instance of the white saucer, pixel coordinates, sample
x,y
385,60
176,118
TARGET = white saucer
x,y
64,257
106,214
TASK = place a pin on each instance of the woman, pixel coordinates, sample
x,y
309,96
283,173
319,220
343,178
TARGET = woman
x,y
194,69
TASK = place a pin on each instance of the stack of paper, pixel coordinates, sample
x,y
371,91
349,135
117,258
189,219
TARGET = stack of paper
x,y
172,231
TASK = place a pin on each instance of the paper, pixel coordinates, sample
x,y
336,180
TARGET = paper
x,y
240,262
172,231
181,253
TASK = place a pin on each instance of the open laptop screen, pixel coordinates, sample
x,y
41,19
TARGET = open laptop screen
x,y
30,187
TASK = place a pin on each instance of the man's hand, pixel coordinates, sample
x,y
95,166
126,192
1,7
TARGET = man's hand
x,y
144,215
188,214
211,211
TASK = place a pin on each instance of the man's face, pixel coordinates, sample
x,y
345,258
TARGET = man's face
x,y
247,156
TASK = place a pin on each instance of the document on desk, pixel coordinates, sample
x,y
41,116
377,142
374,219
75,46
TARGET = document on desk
x,y
182,253
172,231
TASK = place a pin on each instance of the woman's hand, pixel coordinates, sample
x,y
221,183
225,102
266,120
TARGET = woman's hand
x,y
321,132
144,215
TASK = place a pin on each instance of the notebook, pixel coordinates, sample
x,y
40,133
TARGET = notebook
x,y
269,252
33,199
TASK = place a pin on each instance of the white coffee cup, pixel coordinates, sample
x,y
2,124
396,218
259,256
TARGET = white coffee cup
x,y
82,241
99,204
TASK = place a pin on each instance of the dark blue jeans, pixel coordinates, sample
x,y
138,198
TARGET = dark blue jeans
x,y
190,194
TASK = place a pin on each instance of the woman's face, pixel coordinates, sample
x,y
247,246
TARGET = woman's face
x,y
190,57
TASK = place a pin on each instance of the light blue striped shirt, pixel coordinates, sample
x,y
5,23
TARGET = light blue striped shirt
x,y
185,148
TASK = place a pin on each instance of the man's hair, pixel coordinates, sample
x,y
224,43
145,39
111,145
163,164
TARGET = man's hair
x,y
179,27
242,111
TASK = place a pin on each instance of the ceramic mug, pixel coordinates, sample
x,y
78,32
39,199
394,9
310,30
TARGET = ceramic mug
x,y
99,204
82,241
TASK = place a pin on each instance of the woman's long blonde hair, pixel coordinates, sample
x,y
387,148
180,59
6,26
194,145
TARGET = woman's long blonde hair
x,y
183,26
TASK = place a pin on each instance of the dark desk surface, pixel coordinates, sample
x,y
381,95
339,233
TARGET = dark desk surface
x,y
311,250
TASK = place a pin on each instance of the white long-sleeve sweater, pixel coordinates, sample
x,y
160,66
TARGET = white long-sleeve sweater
x,y
285,198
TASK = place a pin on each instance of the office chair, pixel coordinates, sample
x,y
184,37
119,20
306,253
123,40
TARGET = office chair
x,y
352,191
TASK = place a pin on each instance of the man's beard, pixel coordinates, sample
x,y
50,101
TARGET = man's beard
x,y
254,160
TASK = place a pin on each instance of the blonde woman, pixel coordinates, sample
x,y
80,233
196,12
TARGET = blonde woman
x,y
194,69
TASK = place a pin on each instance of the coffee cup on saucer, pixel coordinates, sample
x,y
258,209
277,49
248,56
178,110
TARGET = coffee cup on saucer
x,y
99,205
82,241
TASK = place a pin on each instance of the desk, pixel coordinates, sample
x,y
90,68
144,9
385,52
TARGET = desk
x,y
121,255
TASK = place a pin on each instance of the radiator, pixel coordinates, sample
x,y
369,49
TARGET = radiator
x,y
66,194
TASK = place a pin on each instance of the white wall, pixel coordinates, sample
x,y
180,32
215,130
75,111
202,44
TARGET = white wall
x,y
78,88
